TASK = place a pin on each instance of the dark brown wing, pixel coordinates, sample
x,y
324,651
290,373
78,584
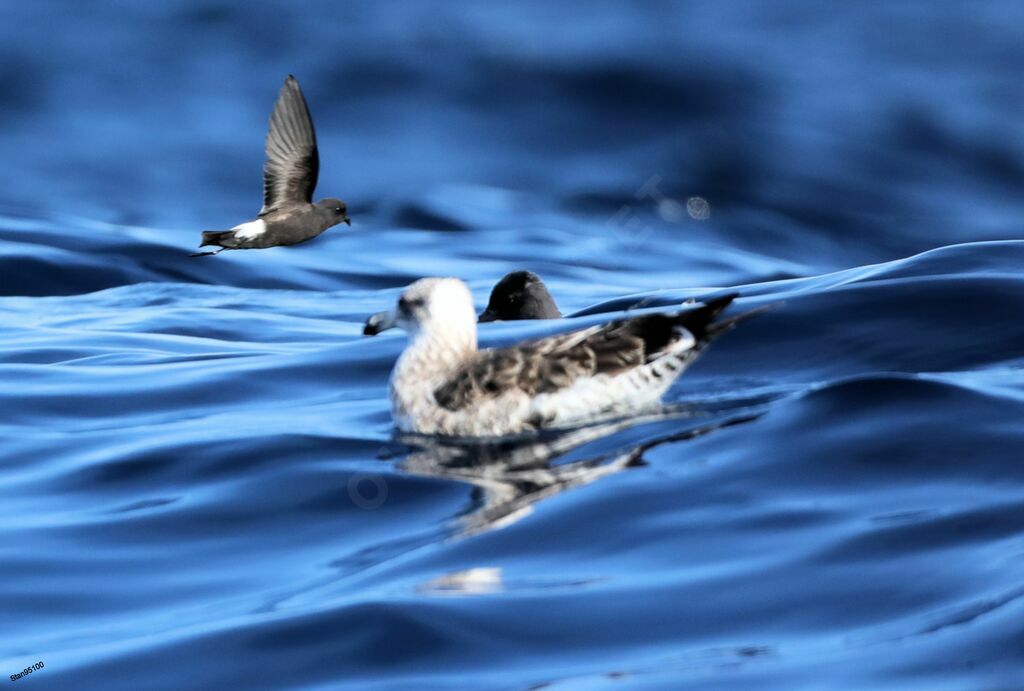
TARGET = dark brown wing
x,y
554,363
293,163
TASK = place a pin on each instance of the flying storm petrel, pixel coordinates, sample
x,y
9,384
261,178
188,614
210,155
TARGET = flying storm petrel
x,y
443,384
288,216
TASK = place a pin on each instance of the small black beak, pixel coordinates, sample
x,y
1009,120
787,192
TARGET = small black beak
x,y
487,316
347,221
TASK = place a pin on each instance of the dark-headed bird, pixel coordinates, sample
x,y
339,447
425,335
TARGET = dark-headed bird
x,y
520,295
289,215
443,384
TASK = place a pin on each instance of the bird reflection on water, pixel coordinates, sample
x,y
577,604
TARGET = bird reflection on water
x,y
509,476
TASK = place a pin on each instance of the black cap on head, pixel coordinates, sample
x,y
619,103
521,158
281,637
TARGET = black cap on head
x,y
520,295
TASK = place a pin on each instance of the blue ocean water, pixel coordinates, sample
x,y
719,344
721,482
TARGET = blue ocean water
x,y
199,488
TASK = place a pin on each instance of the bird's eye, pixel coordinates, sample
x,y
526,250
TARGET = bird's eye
x,y
337,209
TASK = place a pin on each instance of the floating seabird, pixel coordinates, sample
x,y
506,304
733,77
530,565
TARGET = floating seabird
x,y
520,295
288,216
443,384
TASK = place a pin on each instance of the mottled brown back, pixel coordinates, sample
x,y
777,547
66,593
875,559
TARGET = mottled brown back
x,y
550,364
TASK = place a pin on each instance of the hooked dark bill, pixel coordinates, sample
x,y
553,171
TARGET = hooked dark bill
x,y
376,323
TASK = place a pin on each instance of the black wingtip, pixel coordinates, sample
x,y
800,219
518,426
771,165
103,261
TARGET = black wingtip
x,y
722,325
716,305
700,321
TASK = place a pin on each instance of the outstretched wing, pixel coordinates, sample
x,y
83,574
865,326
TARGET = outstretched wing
x,y
293,163
554,363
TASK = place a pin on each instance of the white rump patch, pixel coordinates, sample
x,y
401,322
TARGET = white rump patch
x,y
247,231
